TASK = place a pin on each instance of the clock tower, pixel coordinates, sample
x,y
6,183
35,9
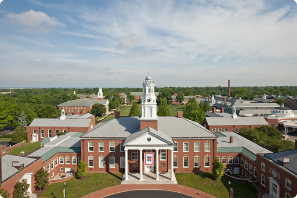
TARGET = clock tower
x,y
149,105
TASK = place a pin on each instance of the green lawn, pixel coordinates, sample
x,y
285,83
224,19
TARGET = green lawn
x,y
26,146
174,109
79,188
5,139
205,183
108,118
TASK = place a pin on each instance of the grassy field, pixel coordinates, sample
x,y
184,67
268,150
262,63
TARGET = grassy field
x,y
79,188
5,139
26,146
205,183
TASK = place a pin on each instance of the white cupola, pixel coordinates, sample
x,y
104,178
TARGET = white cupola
x,y
149,103
100,93
62,117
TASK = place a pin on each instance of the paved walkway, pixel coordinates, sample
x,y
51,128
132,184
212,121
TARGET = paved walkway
x,y
149,178
166,187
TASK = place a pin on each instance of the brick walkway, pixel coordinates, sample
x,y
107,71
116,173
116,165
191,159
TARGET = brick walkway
x,y
166,187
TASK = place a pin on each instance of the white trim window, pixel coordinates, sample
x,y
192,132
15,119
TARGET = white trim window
x,y
52,165
196,161
56,161
220,129
196,146
175,162
122,162
186,162
78,160
263,166
251,168
35,131
236,160
206,161
287,195
134,155
73,160
207,146
175,147
225,129
101,162
230,160
245,164
122,148
241,161
111,147
255,171
111,162
48,167
42,133
49,133
162,155
57,131
186,147
67,160
262,180
91,146
214,129
224,160
101,146
61,160
288,183
91,161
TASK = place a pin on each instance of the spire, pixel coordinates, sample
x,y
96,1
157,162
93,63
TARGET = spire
x,y
62,117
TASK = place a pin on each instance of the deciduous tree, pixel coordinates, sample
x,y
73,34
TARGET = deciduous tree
x,y
180,97
48,111
41,178
81,170
135,111
98,109
163,109
19,135
217,168
20,189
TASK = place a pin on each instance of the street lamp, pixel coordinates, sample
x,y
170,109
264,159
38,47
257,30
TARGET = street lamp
x,y
65,189
229,187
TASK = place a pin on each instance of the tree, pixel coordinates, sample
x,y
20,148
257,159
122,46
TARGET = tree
x,y
281,101
20,189
81,170
135,111
19,135
48,111
163,109
4,192
140,101
98,109
180,97
41,178
206,107
193,112
217,168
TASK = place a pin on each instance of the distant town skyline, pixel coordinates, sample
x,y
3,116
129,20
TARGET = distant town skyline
x,y
117,43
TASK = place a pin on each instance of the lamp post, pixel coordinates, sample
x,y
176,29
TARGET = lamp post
x,y
65,189
229,187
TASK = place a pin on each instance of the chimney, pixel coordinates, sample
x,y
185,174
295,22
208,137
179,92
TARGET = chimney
x,y
88,95
229,91
222,110
231,139
286,160
117,114
180,114
208,98
225,100
214,109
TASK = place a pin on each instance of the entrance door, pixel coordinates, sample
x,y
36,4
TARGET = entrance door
x,y
274,189
67,170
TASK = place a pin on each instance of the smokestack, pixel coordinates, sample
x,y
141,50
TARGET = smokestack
x,y
231,139
229,91
225,99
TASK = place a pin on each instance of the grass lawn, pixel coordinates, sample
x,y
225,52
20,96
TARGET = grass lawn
x,y
79,188
26,146
205,183
5,139
174,109
108,118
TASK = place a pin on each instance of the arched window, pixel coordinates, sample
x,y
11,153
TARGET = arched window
x,y
67,160
230,160
61,160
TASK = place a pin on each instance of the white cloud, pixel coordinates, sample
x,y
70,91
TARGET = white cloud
x,y
34,21
1,1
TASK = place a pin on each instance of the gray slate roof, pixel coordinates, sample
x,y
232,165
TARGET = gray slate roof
x,y
291,154
54,122
247,121
83,102
7,168
125,126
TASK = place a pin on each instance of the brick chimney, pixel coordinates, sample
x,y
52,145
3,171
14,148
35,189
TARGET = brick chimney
x,y
180,114
208,98
286,160
225,100
214,110
88,95
222,110
231,139
117,114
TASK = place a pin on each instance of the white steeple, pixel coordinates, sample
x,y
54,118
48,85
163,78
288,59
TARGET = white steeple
x,y
100,93
149,103
234,115
213,101
62,117
74,92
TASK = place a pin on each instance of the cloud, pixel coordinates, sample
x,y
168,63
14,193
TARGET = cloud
x,y
39,62
1,1
127,43
34,21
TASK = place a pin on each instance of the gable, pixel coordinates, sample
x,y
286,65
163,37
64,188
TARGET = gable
x,y
143,140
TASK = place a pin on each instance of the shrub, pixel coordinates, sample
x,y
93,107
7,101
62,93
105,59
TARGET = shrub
x,y
81,170
19,135
217,168
41,178
20,189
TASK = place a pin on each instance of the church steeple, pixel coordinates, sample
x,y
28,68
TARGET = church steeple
x,y
149,105
100,94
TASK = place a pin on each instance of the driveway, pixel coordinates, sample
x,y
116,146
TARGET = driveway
x,y
148,194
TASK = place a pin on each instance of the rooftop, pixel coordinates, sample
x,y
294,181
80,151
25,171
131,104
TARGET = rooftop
x,y
247,121
56,122
84,102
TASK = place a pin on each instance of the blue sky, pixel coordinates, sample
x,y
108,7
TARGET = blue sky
x,y
55,43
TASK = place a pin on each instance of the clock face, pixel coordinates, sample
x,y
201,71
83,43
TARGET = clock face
x,y
148,100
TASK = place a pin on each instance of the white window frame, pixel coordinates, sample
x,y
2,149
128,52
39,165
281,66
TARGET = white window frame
x,y
61,157
56,161
185,146
175,147
224,158
42,134
110,165
262,179
237,157
135,151
89,161
246,165
263,166
34,131
48,133
100,161
74,158
230,157
250,165
122,163
214,129
48,168
225,129
101,146
287,195
176,161
90,146
67,157
220,129
111,147
184,162
196,146
241,161
205,147
194,161
163,151
122,146
52,165
61,169
208,161
286,182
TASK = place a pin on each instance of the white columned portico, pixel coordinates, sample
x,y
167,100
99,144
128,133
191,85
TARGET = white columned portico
x,y
126,164
140,166
157,164
171,165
